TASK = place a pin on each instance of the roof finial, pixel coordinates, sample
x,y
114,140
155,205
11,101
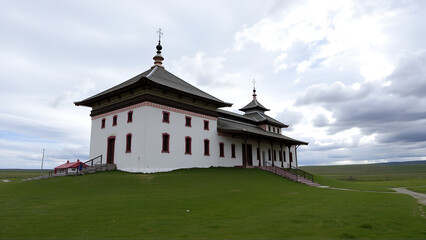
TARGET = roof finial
x,y
158,59
254,89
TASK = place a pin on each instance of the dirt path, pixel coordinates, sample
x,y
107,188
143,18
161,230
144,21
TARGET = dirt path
x,y
419,196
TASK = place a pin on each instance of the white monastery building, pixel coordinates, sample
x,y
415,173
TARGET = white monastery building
x,y
156,122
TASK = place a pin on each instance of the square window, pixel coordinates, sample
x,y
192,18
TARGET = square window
x,y
206,125
187,121
233,151
166,117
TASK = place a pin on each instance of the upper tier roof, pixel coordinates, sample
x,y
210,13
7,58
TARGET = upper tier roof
x,y
254,105
159,77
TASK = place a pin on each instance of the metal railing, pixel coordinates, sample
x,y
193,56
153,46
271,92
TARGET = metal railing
x,y
301,173
295,171
93,161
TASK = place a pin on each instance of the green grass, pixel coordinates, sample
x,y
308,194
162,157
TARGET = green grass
x,y
222,202
372,177
418,189
19,174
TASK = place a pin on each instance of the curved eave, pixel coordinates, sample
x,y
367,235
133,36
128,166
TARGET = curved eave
x,y
144,82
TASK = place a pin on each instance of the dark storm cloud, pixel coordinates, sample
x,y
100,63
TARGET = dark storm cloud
x,y
409,77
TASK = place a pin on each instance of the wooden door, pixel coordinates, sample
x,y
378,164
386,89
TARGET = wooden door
x,y
249,159
110,150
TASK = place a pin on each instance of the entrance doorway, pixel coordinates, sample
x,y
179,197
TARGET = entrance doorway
x,y
249,159
110,150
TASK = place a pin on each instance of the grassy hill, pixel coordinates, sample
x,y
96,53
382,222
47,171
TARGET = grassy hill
x,y
377,177
210,203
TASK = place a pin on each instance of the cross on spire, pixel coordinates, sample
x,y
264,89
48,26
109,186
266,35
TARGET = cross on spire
x,y
254,89
160,33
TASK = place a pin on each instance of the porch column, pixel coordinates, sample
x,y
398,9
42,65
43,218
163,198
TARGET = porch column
x,y
258,151
289,156
295,155
245,152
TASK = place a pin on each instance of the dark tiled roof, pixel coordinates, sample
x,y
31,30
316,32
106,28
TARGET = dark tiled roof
x,y
235,127
162,78
261,117
252,117
254,105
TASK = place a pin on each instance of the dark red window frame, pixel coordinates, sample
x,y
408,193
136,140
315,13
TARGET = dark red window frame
x,y
206,125
103,121
221,149
128,143
188,145
166,117
130,116
114,120
232,150
206,147
188,121
165,143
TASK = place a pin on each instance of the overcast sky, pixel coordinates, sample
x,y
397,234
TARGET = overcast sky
x,y
348,76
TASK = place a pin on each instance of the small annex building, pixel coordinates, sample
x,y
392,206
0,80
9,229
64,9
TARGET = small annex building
x,y
157,122
70,168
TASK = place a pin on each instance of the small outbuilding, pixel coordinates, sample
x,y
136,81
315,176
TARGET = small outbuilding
x,y
70,168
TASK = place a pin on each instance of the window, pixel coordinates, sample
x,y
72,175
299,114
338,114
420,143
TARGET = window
x,y
269,154
103,123
187,121
166,117
130,116
206,125
128,143
275,155
258,154
269,128
280,156
278,130
291,156
188,142
206,147
114,120
284,156
221,149
166,140
233,151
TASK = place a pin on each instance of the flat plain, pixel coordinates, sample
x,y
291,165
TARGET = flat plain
x,y
213,203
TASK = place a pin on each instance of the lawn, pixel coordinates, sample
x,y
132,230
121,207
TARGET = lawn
x,y
19,174
209,203
374,177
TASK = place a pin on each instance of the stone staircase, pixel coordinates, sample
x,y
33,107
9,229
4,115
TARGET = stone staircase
x,y
289,175
99,168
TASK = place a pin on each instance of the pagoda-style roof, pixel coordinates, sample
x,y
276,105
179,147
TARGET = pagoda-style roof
x,y
254,105
256,118
240,128
156,77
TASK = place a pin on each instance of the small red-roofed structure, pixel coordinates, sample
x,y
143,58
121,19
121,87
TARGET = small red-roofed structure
x,y
70,168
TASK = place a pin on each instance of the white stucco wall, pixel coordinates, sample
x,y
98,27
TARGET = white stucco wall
x,y
147,129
